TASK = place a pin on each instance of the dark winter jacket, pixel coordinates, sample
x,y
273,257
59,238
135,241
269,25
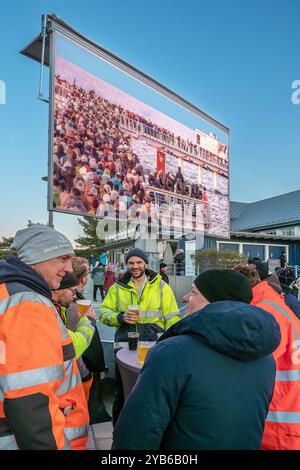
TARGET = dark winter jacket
x,y
207,384
164,277
291,298
18,274
293,303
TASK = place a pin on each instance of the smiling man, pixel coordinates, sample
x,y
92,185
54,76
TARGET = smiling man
x,y
144,287
158,309
42,402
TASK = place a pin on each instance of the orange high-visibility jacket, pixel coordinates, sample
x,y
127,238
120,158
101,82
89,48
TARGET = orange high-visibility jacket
x,y
282,426
42,402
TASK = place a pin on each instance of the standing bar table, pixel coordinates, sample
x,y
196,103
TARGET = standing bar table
x,y
129,369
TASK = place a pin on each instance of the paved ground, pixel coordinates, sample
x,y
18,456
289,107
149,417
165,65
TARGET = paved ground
x,y
100,436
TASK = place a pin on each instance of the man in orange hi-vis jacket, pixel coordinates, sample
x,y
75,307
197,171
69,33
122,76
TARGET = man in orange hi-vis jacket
x,y
282,425
42,402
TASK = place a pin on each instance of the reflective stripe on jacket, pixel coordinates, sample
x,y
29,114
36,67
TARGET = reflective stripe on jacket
x,y
42,402
83,334
157,303
282,427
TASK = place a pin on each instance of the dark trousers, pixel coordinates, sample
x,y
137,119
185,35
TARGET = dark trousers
x,y
97,410
95,292
118,399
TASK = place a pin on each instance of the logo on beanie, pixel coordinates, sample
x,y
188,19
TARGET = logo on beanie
x,y
56,247
62,242
62,239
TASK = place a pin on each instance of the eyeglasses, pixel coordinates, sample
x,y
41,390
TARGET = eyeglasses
x,y
74,291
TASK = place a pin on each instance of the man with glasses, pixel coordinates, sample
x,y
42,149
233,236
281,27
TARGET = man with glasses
x,y
92,362
84,331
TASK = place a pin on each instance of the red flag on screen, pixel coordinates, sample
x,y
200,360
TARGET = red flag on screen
x,y
160,161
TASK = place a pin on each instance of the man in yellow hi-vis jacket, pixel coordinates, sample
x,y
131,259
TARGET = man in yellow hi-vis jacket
x,y
158,308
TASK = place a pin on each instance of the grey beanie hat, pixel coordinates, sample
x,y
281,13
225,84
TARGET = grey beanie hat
x,y
40,243
137,252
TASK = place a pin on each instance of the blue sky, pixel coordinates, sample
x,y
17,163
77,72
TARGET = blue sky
x,y
235,60
92,64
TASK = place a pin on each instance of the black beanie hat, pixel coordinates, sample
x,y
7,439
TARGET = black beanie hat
x,y
224,284
137,252
69,280
262,268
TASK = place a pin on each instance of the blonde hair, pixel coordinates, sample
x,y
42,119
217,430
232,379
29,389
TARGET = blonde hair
x,y
250,273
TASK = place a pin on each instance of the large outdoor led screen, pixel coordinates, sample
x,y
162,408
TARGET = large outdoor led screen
x,y
121,149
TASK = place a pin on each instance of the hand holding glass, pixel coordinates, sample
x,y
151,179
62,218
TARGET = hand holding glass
x,y
83,305
132,314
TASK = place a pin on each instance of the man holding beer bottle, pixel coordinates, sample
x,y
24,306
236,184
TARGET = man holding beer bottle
x,y
141,301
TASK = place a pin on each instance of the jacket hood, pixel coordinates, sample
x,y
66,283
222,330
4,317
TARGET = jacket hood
x,y
273,281
152,277
232,328
14,270
263,291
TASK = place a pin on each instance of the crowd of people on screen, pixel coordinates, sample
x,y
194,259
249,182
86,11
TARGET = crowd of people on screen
x,y
95,169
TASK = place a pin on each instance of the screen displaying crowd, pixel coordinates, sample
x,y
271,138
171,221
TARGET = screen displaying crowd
x,y
95,168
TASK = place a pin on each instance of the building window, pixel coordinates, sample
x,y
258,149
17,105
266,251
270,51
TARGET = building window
x,y
286,231
275,251
254,251
223,246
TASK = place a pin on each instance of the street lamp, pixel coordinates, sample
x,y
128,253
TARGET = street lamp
x,y
50,213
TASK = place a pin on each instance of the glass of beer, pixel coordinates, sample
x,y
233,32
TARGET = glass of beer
x,y
143,348
133,337
83,305
134,310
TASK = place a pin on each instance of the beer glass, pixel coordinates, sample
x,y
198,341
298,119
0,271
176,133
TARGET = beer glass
x,y
134,310
83,305
133,337
143,348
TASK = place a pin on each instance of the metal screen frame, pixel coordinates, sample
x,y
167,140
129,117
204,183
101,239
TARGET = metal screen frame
x,y
56,25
